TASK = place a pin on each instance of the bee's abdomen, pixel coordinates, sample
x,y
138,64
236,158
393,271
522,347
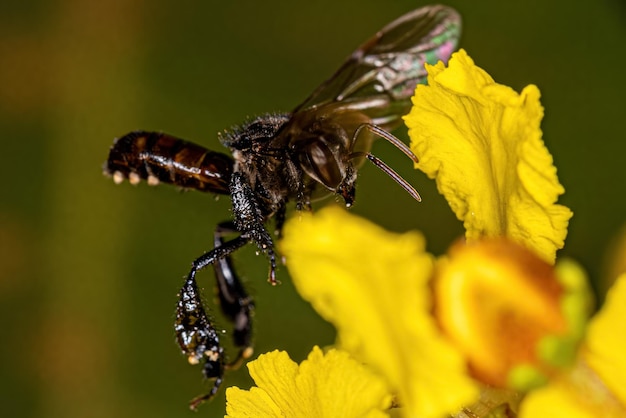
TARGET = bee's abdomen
x,y
157,157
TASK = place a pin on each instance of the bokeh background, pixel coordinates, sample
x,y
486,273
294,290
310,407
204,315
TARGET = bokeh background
x,y
89,271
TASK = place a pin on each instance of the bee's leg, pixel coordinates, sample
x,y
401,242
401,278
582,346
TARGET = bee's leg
x,y
303,194
195,334
235,302
249,218
280,220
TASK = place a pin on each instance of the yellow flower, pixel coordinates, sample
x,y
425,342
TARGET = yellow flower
x,y
324,385
597,386
373,286
516,319
482,143
495,309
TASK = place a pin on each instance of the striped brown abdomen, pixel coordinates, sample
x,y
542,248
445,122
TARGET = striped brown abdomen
x,y
157,157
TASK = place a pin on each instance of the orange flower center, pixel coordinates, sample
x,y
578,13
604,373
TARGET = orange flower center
x,y
496,301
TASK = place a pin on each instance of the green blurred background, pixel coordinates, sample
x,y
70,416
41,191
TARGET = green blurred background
x,y
89,271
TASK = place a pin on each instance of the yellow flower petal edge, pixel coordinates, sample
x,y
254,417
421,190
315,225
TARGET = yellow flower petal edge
x,y
482,143
324,385
373,286
606,341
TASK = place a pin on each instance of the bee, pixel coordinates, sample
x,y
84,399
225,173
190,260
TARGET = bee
x,y
277,158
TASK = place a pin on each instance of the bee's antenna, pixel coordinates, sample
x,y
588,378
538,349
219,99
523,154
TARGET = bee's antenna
x,y
387,136
381,164
390,172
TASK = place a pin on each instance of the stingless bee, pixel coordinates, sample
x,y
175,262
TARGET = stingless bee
x,y
277,158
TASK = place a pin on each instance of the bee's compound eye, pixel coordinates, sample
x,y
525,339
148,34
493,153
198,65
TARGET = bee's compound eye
x,y
321,163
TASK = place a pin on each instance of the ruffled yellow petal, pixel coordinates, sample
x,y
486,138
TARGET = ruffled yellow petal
x,y
373,286
606,341
325,386
482,143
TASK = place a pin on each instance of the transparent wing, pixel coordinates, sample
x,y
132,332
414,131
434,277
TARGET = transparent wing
x,y
379,78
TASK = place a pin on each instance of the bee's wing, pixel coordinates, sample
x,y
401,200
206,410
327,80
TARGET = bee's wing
x,y
379,78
